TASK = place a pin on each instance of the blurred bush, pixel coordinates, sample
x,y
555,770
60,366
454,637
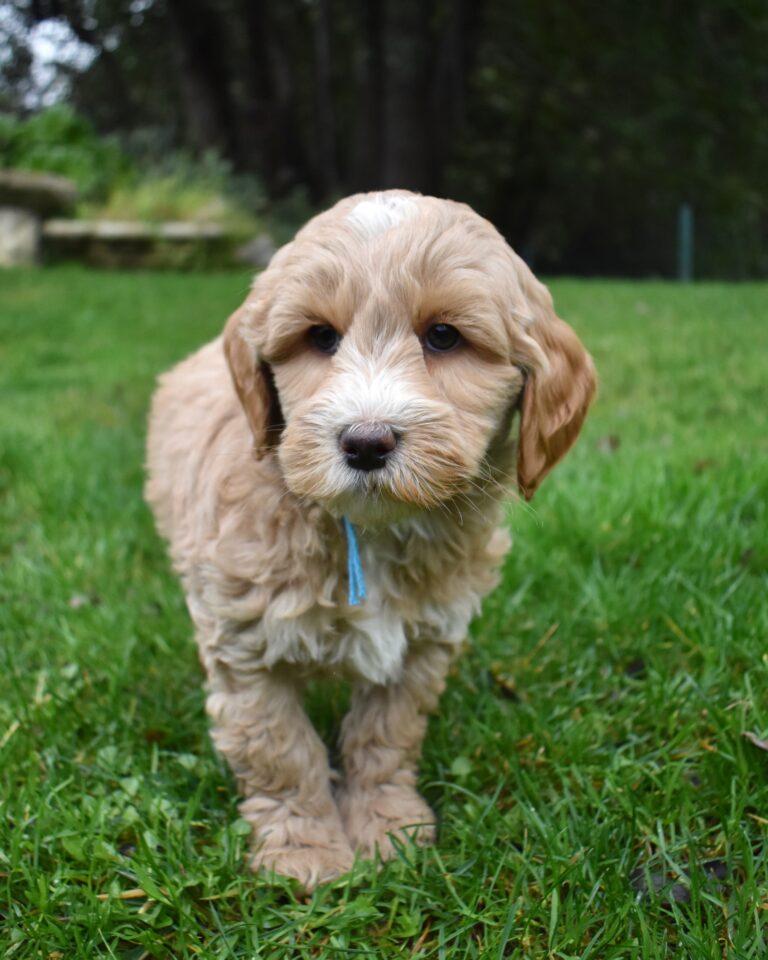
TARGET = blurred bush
x,y
181,188
57,140
127,182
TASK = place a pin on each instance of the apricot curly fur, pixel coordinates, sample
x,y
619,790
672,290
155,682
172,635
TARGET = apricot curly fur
x,y
248,484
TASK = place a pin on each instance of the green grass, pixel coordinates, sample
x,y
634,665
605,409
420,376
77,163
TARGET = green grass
x,y
596,795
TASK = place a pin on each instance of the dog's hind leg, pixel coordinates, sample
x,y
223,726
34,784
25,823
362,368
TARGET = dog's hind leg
x,y
282,770
381,745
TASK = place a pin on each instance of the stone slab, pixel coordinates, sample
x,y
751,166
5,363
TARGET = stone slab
x,y
42,193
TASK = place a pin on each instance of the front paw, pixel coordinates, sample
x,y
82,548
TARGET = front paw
x,y
372,818
312,850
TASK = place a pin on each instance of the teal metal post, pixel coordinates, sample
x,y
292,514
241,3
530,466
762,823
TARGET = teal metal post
x,y
685,243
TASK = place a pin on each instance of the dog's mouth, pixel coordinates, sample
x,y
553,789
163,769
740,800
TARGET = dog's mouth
x,y
395,492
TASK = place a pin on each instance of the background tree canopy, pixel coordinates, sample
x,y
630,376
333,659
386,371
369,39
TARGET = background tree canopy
x,y
577,127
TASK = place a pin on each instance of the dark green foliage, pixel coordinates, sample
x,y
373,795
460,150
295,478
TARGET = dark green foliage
x,y
596,795
591,123
579,128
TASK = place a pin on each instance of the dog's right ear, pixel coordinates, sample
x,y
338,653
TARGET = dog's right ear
x,y
253,382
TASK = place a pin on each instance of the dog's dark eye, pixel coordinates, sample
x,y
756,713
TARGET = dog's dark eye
x,y
324,338
442,337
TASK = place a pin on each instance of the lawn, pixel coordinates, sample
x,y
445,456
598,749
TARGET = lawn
x,y
597,795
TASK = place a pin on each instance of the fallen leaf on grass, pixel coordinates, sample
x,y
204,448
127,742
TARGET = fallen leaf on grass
x,y
461,767
136,893
151,735
757,741
671,888
636,668
78,600
657,882
609,443
504,684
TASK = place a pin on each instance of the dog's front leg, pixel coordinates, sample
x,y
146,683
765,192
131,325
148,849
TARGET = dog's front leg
x,y
381,744
282,770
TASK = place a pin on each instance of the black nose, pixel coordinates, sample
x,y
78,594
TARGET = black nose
x,y
366,446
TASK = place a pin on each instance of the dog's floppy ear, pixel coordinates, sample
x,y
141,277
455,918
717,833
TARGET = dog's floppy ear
x,y
556,395
253,381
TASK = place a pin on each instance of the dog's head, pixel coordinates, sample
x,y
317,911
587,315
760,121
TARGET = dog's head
x,y
386,350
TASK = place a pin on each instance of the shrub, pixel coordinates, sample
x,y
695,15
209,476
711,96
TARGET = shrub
x,y
58,140
116,186
182,188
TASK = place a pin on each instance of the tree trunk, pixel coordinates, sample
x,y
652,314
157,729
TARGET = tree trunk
x,y
406,60
204,84
367,113
325,114
452,66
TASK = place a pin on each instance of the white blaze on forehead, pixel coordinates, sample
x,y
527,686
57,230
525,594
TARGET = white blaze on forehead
x,y
381,213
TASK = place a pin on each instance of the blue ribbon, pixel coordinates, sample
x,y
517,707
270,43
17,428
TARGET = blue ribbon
x,y
354,566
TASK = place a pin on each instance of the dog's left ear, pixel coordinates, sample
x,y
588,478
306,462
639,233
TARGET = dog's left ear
x,y
556,396
253,381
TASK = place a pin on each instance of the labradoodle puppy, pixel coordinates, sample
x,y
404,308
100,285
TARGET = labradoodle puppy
x,y
330,476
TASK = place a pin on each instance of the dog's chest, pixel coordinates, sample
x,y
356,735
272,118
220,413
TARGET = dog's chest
x,y
417,588
380,629
369,640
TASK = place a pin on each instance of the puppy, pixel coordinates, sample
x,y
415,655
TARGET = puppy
x,y
329,475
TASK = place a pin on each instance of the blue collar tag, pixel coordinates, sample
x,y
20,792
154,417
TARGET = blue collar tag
x,y
355,573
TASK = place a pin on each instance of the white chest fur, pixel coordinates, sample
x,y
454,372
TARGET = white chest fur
x,y
368,641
